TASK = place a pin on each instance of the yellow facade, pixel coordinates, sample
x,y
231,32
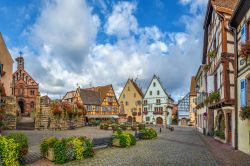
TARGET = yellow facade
x,y
130,101
192,113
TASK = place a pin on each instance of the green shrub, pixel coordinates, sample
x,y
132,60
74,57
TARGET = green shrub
x,y
126,139
220,134
9,151
114,127
132,138
68,149
105,126
141,126
60,152
22,140
134,127
101,126
123,126
148,133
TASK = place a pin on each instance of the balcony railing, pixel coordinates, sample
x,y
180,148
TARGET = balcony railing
x,y
158,112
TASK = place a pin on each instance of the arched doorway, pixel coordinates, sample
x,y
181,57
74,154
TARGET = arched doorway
x,y
184,122
129,118
21,106
159,121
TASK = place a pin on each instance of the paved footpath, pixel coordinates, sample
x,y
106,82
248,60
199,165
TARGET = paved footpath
x,y
224,154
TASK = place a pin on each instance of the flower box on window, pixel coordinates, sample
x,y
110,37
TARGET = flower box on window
x,y
212,54
245,113
158,112
245,50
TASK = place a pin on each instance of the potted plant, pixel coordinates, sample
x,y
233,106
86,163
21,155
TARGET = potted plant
x,y
145,112
206,67
212,54
134,113
245,50
245,113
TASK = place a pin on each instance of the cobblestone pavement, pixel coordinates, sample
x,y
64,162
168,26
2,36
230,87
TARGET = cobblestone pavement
x,y
181,147
225,154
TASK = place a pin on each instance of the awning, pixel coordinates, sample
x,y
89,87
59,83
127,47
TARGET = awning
x,y
102,116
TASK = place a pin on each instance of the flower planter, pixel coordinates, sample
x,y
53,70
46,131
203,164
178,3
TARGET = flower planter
x,y
116,142
50,155
220,140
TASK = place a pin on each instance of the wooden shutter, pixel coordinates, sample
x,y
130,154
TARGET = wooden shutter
x,y
243,93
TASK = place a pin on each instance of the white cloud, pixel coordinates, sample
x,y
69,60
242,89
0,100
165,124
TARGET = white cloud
x,y
122,22
195,5
65,37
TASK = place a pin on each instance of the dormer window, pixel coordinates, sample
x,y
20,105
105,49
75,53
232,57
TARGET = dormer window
x,y
150,93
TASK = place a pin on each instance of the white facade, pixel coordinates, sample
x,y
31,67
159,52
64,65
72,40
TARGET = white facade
x,y
157,104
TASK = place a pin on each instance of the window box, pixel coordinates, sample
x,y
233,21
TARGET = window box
x,y
245,50
212,54
245,113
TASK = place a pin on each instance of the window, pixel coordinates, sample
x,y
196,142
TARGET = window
x,y
115,109
147,118
126,103
145,109
89,108
109,109
145,102
158,101
158,92
215,82
1,70
243,34
150,93
32,92
123,96
128,89
154,84
97,108
243,93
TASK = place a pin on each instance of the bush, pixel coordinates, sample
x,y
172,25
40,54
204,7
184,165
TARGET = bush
x,y
126,139
148,133
134,127
114,127
9,151
141,126
123,127
68,149
105,126
22,140
101,126
220,134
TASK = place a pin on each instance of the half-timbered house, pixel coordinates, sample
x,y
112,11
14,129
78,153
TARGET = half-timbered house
x,y
240,23
218,57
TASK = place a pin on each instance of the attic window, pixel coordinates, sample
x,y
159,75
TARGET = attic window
x,y
154,84
128,89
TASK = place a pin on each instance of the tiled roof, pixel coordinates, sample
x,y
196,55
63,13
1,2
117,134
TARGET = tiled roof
x,y
90,97
192,87
103,90
230,4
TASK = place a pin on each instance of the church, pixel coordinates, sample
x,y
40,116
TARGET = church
x,y
25,88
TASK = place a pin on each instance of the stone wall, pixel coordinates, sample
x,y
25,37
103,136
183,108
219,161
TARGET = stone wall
x,y
10,107
46,120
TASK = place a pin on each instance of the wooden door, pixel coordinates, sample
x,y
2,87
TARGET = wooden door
x,y
159,121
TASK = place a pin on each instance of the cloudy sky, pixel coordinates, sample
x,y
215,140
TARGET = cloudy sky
x,y
98,42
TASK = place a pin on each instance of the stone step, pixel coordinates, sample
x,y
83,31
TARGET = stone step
x,y
25,126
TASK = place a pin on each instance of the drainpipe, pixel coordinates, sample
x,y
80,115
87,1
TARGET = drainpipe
x,y
234,30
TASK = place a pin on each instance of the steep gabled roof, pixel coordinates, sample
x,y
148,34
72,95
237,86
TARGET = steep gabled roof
x,y
136,88
103,90
158,79
25,73
67,94
90,97
192,87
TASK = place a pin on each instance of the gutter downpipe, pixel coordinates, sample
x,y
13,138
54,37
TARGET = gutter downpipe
x,y
234,30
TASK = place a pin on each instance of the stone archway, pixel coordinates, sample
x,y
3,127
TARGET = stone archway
x,y
21,105
159,121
